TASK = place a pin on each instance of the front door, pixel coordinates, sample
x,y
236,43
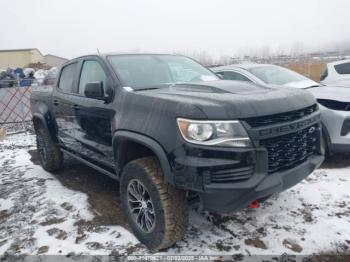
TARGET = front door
x,y
63,106
94,116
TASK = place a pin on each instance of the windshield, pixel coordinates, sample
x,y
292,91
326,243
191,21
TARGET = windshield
x,y
276,75
147,71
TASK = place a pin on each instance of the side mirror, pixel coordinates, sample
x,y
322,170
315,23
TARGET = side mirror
x,y
94,90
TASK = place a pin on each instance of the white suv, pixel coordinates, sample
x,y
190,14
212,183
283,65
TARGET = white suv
x,y
334,101
337,74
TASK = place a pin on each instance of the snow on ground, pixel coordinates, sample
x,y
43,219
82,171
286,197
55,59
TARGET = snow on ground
x,y
39,215
77,212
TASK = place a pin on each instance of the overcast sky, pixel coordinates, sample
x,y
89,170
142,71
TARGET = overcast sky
x,y
74,27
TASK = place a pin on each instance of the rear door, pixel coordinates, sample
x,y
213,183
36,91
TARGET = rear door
x,y
94,134
63,105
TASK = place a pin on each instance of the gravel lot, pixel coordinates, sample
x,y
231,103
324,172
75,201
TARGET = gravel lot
x,y
76,212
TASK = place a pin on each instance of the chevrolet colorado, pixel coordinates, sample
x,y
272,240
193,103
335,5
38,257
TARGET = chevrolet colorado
x,y
170,131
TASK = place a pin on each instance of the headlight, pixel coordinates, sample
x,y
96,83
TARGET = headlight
x,y
334,105
219,133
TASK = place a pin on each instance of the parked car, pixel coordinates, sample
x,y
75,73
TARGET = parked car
x,y
170,130
337,74
334,102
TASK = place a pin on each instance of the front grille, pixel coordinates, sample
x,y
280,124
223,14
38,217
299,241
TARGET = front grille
x,y
280,118
231,175
288,151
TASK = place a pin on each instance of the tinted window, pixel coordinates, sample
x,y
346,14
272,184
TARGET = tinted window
x,y
147,71
67,78
91,72
229,75
343,69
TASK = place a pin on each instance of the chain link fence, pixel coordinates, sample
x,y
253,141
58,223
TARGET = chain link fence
x,y
15,110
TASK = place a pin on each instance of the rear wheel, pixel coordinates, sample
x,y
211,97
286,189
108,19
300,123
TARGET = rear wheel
x,y
156,211
51,157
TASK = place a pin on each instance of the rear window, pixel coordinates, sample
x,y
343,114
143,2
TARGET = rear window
x,y
343,69
67,78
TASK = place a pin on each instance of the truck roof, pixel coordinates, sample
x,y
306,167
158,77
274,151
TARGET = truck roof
x,y
242,66
120,53
105,55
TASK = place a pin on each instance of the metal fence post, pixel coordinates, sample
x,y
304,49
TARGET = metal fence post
x,y
21,91
22,109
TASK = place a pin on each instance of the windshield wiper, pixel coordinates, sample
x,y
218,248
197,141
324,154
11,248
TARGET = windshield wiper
x,y
146,88
157,86
313,86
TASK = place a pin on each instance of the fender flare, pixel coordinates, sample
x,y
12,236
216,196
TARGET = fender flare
x,y
41,119
151,144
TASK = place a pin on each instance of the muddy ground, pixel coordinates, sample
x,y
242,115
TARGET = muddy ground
x,y
36,221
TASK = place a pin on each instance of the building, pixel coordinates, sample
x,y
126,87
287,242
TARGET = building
x,y
19,57
53,61
30,56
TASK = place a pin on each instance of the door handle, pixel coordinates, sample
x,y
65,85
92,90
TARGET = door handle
x,y
55,102
75,107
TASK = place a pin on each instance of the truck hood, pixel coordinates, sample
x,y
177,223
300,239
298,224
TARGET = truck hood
x,y
345,82
226,99
341,94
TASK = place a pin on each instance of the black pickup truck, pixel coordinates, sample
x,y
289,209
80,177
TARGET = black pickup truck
x,y
172,132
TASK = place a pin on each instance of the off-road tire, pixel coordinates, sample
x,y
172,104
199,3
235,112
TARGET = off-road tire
x,y
53,159
170,204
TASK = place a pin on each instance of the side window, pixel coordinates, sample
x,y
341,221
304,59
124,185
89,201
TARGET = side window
x,y
343,69
91,72
229,75
67,78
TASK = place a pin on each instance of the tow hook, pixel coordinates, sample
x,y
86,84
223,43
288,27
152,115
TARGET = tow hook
x,y
254,204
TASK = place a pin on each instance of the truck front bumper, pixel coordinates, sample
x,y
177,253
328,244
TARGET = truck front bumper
x,y
336,125
228,180
223,199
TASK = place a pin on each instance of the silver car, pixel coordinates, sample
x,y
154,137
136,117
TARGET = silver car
x,y
334,102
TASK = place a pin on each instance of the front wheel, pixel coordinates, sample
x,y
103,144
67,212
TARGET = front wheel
x,y
156,211
51,157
